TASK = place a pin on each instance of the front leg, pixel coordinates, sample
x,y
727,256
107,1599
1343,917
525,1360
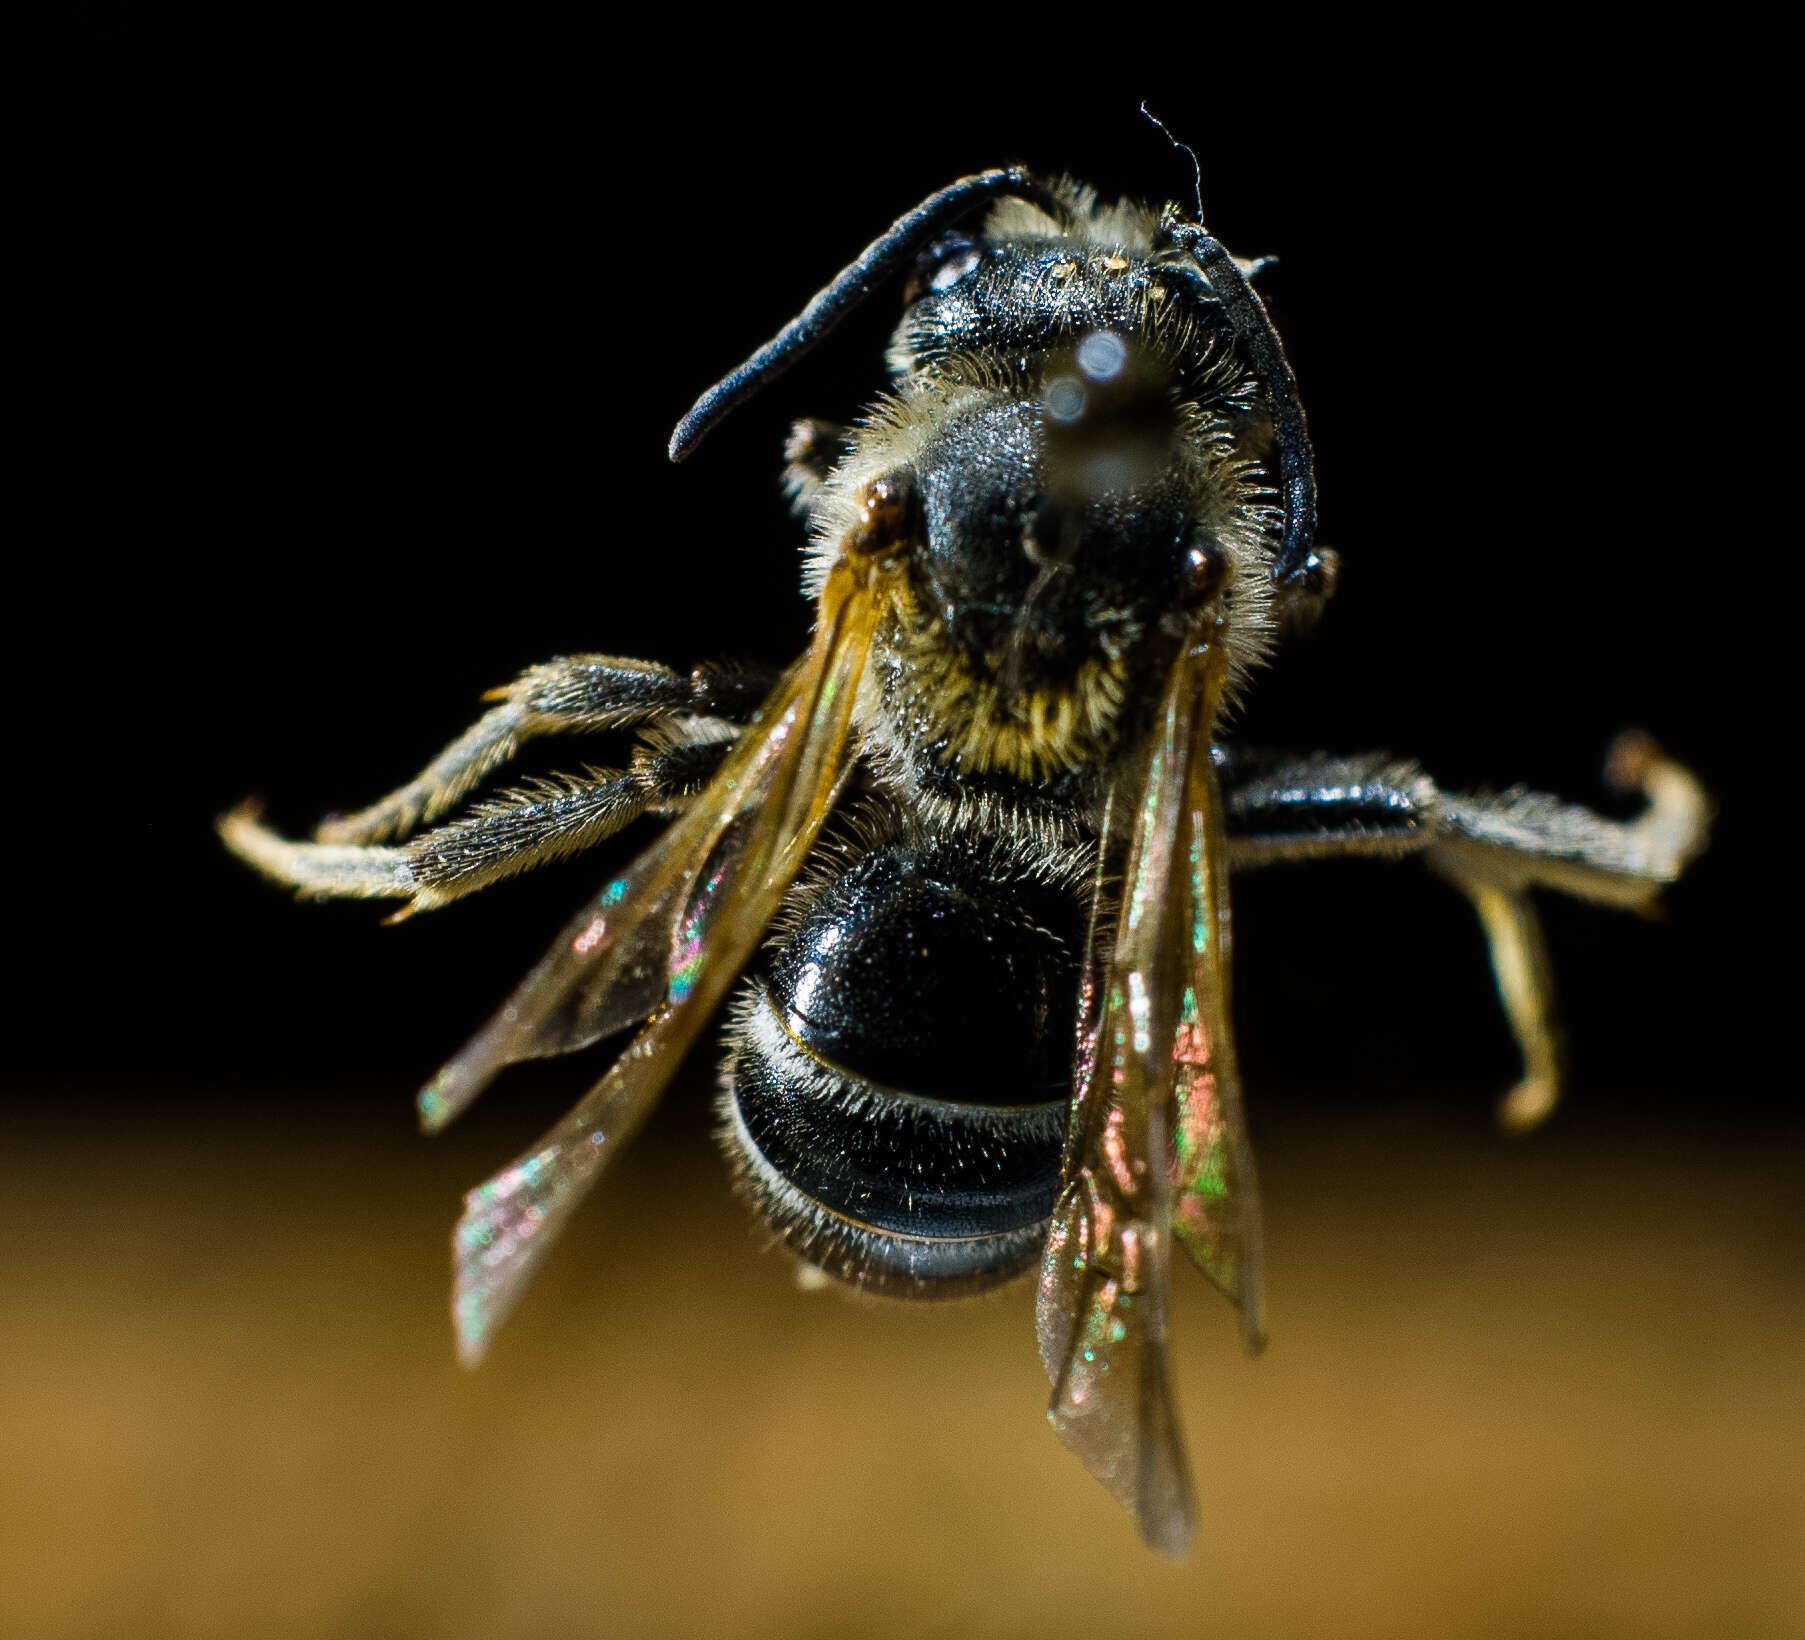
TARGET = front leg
x,y
1494,849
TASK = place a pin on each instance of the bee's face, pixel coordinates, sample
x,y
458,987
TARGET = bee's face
x,y
1080,439
1069,527
1016,560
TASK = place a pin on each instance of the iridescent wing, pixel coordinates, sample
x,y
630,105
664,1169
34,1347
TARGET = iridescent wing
x,y
1157,1144
665,938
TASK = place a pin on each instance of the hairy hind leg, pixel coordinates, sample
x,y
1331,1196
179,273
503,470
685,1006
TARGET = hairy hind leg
x,y
1494,849
546,820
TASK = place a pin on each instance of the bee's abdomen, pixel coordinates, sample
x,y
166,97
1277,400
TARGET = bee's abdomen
x,y
897,1088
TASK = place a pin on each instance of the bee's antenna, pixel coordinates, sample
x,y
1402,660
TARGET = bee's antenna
x,y
884,256
1296,563
1183,148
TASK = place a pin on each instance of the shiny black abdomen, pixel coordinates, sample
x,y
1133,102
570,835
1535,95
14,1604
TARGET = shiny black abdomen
x,y
913,971
897,1089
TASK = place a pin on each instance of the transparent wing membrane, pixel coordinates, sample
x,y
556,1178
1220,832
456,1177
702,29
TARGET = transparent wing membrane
x,y
665,938
1215,1193
1157,1144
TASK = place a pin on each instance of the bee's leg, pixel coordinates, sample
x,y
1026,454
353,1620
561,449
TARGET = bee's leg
x,y
1521,840
1281,808
1494,849
811,452
575,694
1525,979
549,820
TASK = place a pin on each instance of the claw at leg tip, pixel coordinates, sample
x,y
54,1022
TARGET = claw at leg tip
x,y
1630,759
1528,1104
244,815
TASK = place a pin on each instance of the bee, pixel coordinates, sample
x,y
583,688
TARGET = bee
x,y
968,860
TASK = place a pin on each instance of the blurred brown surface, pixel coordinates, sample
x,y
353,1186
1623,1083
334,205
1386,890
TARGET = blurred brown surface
x,y
1549,1387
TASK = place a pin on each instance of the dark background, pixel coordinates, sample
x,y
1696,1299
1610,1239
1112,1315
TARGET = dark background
x,y
360,349
366,361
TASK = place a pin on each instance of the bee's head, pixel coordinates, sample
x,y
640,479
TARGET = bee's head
x,y
1068,529
1058,520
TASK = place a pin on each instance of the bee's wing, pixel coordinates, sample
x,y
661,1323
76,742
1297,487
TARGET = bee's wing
x,y
622,954
670,933
1156,1142
1215,1190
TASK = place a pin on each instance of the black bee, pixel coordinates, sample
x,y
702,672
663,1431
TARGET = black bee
x,y
992,1027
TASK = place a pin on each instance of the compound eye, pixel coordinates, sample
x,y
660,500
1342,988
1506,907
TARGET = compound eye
x,y
1207,570
943,264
